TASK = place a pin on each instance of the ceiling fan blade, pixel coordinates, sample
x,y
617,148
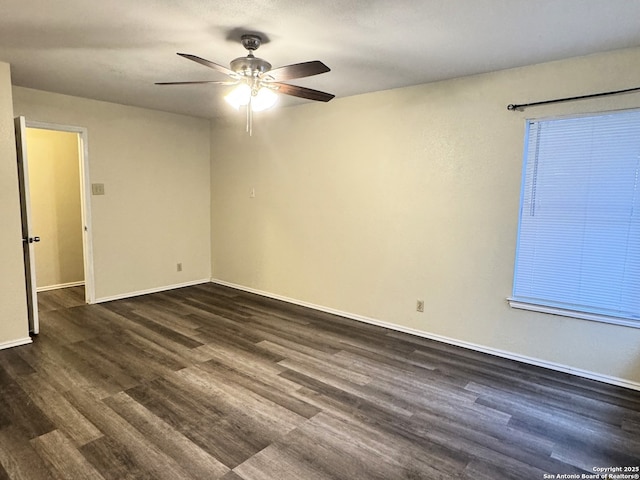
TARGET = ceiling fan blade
x,y
298,70
302,92
208,63
196,82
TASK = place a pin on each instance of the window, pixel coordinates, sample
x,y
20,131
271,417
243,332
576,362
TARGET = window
x,y
578,251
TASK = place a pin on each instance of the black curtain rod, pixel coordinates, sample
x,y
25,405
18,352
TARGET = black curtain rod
x,y
513,107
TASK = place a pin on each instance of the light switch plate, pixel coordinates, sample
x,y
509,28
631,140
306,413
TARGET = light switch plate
x,y
97,188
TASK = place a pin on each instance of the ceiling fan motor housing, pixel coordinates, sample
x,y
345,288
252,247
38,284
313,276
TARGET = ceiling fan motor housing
x,y
250,66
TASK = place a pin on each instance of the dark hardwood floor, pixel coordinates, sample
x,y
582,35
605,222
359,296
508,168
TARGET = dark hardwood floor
x,y
60,298
207,382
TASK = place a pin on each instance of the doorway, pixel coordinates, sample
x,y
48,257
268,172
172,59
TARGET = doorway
x,y
56,209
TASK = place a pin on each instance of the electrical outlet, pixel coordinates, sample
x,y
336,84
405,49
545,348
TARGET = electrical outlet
x,y
420,306
179,267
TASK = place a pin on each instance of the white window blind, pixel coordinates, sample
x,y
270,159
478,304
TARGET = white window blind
x,y
578,245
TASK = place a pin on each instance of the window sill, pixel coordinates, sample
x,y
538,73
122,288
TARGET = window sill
x,y
594,317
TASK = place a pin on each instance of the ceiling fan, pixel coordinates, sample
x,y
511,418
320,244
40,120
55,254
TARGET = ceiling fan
x,y
257,83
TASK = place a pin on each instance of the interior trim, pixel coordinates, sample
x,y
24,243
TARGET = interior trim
x,y
15,343
621,382
122,296
565,312
59,286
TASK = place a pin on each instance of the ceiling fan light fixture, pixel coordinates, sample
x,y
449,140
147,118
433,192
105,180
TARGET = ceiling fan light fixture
x,y
239,96
264,99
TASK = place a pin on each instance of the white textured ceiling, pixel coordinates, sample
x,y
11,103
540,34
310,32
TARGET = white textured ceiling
x,y
115,50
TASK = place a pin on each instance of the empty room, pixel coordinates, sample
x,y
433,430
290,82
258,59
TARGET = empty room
x,y
297,240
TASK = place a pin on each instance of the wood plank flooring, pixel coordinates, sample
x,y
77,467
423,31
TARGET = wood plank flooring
x,y
207,382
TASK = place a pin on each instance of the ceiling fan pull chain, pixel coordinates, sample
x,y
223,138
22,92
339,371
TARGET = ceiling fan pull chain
x,y
250,117
250,107
247,127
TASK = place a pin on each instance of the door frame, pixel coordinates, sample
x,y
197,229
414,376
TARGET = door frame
x,y
85,203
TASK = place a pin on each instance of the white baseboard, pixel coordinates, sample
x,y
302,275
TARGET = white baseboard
x,y
15,343
621,382
151,290
61,285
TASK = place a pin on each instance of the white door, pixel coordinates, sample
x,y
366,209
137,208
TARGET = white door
x,y
28,236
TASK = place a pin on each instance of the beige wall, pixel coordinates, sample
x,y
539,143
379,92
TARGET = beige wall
x,y
368,203
56,215
362,205
13,297
155,169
